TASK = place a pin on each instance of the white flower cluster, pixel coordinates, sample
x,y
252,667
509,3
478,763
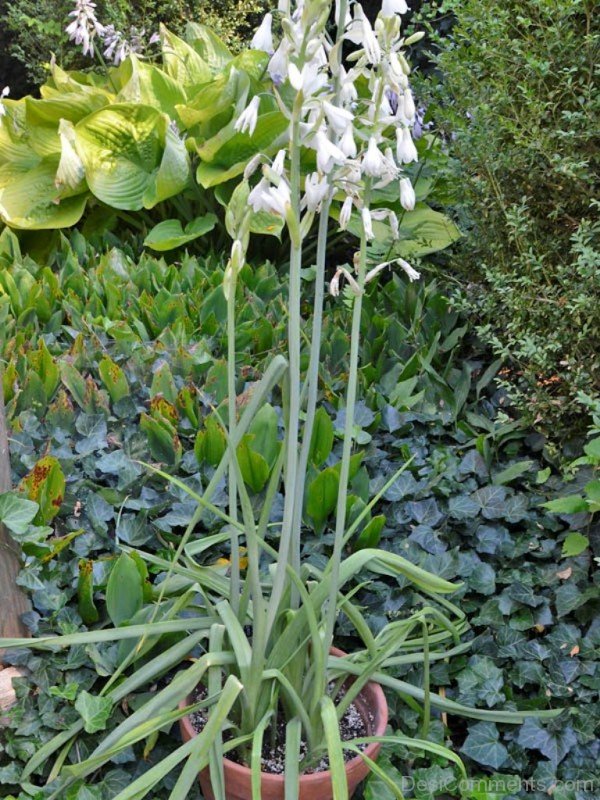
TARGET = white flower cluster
x,y
85,27
348,132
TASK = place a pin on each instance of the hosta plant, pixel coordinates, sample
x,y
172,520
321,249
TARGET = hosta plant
x,y
259,638
160,143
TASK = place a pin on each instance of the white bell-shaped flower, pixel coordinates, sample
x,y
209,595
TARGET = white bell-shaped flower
x,y
279,162
346,212
391,7
328,153
263,38
309,80
360,32
348,91
407,194
406,151
412,273
339,118
279,63
246,122
367,223
373,162
316,188
347,143
408,105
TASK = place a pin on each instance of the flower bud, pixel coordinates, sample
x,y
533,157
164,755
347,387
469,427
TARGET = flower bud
x,y
407,194
414,38
346,213
367,223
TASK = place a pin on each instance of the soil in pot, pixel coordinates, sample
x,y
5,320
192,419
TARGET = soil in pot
x,y
352,726
372,709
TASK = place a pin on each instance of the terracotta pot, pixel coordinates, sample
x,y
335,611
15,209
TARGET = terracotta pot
x,y
372,706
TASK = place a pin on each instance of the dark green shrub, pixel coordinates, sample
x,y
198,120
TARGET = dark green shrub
x,y
31,30
518,102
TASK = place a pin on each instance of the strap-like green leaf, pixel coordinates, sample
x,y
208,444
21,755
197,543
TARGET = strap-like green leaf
x,y
293,732
335,752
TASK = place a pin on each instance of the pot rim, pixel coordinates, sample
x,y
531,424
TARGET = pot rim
x,y
370,751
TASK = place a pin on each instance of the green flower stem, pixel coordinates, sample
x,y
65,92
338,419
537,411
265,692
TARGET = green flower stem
x,y
340,519
294,344
317,328
234,597
313,386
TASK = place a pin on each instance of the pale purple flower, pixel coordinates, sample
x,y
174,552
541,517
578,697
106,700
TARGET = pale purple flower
x,y
85,26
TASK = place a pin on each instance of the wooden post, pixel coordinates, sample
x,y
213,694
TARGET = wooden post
x,y
13,602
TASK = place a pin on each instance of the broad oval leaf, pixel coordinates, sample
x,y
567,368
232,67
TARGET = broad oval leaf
x,y
132,157
181,61
321,440
124,592
321,495
255,470
169,234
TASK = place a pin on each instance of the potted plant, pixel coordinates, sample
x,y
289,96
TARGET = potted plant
x,y
268,706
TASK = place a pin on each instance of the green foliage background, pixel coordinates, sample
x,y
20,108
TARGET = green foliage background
x,y
469,508
515,94
31,30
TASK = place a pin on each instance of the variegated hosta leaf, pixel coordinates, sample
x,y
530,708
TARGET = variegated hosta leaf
x,y
133,157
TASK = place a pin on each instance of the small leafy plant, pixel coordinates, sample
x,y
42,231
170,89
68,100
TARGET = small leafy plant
x,y
584,473
261,635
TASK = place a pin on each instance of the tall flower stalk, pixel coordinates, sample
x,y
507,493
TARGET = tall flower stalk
x,y
325,115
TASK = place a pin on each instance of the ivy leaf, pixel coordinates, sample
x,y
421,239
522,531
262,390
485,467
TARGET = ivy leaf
x,y
481,681
94,711
483,745
376,788
425,512
553,744
463,506
490,500
515,508
16,512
